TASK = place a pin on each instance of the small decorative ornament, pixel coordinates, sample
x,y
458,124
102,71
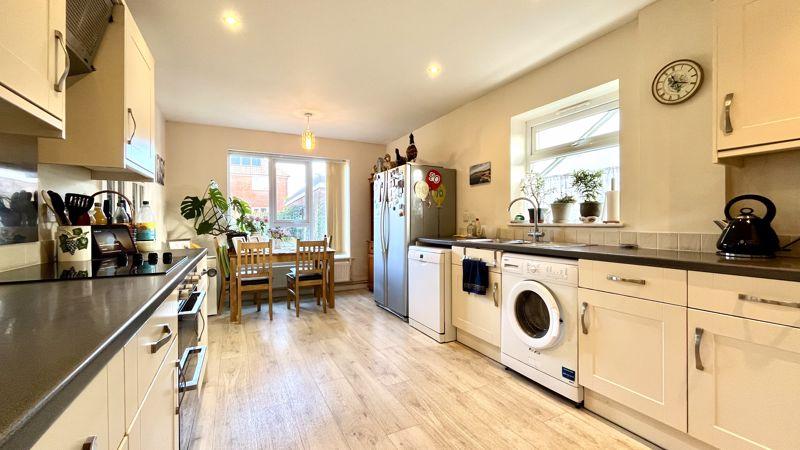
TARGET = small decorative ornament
x,y
411,151
438,195
677,82
400,158
421,190
433,179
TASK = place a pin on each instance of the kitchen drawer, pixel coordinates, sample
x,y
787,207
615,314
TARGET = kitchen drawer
x,y
652,283
153,341
773,301
490,257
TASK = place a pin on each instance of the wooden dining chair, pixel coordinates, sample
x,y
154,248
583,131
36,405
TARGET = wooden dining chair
x,y
310,270
254,272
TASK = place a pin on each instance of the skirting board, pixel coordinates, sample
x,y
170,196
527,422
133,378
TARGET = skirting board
x,y
477,344
654,431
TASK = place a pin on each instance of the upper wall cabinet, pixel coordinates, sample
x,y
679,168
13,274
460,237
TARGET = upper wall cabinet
x,y
756,62
33,67
112,110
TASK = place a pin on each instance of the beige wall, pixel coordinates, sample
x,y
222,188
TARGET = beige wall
x,y
198,153
668,181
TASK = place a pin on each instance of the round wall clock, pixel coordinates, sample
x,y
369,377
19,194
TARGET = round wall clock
x,y
677,81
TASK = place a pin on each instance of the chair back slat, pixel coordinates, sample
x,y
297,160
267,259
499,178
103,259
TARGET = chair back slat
x,y
310,257
254,259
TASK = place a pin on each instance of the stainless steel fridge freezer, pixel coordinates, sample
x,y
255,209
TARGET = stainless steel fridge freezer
x,y
405,210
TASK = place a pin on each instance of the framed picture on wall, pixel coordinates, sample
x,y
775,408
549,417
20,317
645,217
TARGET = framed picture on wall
x,y
159,170
480,173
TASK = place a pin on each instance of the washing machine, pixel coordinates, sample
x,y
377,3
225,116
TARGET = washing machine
x,y
539,337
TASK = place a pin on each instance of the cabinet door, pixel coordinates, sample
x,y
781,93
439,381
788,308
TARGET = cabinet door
x,y
25,38
744,382
139,101
84,420
757,62
478,315
633,351
156,424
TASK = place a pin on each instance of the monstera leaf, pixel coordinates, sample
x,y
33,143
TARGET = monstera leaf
x,y
217,197
192,207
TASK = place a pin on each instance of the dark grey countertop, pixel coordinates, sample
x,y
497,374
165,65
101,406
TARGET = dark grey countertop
x,y
55,336
775,268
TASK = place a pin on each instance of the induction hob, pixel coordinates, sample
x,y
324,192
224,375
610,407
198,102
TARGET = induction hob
x,y
129,266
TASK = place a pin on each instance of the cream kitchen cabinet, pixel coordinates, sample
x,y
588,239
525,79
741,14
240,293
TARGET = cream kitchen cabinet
x,y
156,424
633,351
112,110
757,105
744,382
33,67
477,318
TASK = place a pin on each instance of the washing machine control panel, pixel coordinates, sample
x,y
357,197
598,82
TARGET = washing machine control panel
x,y
547,270
540,268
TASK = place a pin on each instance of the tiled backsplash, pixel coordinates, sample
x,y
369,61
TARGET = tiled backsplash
x,y
691,242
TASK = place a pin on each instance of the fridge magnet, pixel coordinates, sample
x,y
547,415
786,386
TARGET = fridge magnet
x,y
433,178
480,173
438,195
421,190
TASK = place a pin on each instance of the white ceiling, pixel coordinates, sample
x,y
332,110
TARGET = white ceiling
x,y
358,65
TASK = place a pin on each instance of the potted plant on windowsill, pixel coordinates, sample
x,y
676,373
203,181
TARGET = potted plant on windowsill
x,y
562,208
533,187
589,183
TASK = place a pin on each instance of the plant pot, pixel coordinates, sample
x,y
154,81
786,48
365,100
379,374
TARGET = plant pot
x,y
591,209
562,212
73,243
532,214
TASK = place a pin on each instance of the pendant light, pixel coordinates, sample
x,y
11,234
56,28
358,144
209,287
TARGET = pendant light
x,y
307,139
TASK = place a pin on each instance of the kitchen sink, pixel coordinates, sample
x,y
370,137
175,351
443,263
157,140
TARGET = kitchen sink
x,y
526,243
495,241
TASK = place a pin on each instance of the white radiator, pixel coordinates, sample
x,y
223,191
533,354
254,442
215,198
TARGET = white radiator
x,y
341,271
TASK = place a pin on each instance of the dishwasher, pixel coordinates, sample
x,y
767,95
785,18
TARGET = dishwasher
x,y
429,299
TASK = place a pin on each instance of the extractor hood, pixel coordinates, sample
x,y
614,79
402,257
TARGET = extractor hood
x,y
87,21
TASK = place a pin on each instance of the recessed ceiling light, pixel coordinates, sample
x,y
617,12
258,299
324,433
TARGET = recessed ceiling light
x,y
434,70
231,19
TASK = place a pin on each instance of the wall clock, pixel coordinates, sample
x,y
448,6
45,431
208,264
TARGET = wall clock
x,y
677,81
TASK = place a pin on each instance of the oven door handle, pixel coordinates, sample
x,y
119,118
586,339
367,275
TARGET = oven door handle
x,y
197,305
192,384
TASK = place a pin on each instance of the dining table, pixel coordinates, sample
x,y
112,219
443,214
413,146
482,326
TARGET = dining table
x,y
280,255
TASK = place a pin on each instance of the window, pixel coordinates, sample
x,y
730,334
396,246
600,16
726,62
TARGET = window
x,y
290,192
581,136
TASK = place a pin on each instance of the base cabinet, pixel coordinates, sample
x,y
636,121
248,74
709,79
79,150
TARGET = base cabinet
x,y
744,382
156,424
633,351
478,315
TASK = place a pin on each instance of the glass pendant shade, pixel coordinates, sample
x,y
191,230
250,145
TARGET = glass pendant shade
x,y
307,139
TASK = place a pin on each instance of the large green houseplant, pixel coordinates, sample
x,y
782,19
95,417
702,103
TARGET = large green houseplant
x,y
589,183
211,214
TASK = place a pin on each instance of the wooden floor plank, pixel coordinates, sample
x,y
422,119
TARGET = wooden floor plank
x,y
358,377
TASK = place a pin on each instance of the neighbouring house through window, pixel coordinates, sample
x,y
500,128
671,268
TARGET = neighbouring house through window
x,y
301,195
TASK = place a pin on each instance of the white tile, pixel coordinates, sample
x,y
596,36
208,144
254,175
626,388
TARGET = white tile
x,y
506,233
667,241
558,235
611,238
570,235
583,236
628,237
708,243
647,240
597,237
689,242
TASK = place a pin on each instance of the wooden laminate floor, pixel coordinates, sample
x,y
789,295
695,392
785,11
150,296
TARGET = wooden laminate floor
x,y
359,377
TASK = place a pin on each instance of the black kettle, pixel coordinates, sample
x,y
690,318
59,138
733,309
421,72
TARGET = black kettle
x,y
748,235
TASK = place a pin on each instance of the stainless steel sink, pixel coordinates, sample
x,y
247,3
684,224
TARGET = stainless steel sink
x,y
526,243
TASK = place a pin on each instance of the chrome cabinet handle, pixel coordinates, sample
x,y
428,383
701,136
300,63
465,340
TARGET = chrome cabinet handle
x,y
494,295
133,133
728,126
698,337
191,385
754,299
155,346
90,443
625,280
61,83
584,328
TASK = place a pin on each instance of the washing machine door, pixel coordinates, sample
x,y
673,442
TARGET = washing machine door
x,y
533,314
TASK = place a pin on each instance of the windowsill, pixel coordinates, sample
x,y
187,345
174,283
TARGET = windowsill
x,y
568,225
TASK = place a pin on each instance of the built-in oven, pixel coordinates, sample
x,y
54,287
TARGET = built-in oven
x,y
191,328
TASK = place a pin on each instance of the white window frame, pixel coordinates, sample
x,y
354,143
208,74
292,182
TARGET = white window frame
x,y
567,114
272,159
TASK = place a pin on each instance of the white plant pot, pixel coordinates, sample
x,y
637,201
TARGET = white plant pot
x,y
73,243
562,212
